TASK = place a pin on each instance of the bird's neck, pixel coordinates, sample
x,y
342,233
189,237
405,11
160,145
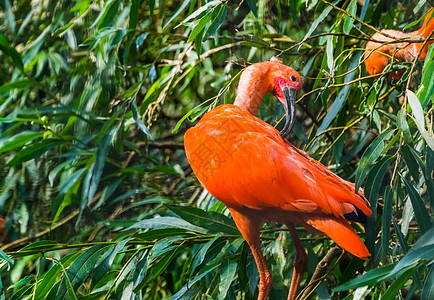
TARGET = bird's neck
x,y
254,85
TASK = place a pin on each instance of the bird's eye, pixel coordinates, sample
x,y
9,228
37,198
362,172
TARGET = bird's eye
x,y
293,78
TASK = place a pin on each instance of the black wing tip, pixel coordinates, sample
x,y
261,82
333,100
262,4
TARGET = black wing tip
x,y
357,216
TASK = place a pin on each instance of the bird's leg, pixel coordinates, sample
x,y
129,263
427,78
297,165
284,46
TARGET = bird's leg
x,y
249,228
299,262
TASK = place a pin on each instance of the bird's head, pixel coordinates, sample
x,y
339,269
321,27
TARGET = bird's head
x,y
269,77
287,84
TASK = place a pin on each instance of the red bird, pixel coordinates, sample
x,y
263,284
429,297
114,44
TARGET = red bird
x,y
245,163
378,56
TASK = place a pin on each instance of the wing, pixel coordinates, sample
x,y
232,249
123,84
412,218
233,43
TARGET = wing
x,y
243,162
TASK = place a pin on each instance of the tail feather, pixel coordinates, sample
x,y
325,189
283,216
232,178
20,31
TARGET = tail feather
x,y
340,231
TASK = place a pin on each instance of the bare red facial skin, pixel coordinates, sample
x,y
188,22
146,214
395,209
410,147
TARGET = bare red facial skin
x,y
294,81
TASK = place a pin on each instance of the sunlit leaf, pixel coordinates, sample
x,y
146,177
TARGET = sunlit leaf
x,y
200,26
167,222
420,118
348,22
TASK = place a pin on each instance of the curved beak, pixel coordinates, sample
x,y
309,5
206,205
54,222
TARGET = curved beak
x,y
290,95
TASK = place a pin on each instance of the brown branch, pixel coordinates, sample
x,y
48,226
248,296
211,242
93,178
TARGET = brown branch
x,y
358,20
167,145
26,240
321,271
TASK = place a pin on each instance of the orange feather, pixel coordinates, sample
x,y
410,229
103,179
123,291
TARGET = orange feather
x,y
245,163
378,56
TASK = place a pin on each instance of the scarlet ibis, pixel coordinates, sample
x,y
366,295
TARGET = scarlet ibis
x,y
378,56
245,163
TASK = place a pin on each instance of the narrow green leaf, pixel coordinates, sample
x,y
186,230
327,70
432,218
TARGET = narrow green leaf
x,y
9,16
342,96
254,41
137,277
403,125
198,43
107,260
188,286
5,257
371,277
220,17
200,26
100,159
161,265
422,250
426,88
400,236
428,288
188,114
166,222
227,276
419,116
201,9
106,15
34,151
329,53
348,22
40,246
20,140
151,6
370,156
375,180
420,211
397,284
180,10
23,83
386,222
429,168
317,21
210,220
139,121
128,194
156,234
80,269
11,52
134,14
85,188
162,247
411,162
130,266
133,90
51,276
26,21
22,293
200,256
68,181
253,8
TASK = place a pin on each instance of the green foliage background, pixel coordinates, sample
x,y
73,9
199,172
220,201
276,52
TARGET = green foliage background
x,y
99,200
